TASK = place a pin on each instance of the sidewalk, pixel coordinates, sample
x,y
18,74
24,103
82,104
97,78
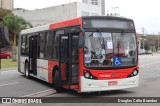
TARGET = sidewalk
x,y
155,55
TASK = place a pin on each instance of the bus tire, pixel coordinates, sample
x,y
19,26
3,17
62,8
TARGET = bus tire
x,y
27,71
57,85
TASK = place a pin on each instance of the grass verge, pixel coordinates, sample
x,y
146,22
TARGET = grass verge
x,y
8,63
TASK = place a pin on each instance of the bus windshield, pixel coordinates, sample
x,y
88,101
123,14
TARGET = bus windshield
x,y
105,49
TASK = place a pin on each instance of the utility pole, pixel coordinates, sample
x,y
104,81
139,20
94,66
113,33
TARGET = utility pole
x,y
144,37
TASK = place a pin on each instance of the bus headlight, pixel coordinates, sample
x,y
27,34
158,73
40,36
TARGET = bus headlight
x,y
87,75
135,72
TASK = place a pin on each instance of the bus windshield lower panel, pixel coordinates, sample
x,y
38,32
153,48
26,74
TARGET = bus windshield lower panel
x,y
105,49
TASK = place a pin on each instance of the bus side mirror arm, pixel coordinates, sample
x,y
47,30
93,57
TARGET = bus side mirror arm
x,y
81,41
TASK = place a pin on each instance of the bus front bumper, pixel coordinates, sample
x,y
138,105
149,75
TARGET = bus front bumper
x,y
89,85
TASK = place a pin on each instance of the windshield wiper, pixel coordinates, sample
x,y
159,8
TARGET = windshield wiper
x,y
91,34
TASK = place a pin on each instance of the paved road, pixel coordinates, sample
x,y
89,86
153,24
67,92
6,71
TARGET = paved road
x,y
14,84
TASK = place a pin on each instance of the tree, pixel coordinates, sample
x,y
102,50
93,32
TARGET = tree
x,y
157,44
15,25
147,45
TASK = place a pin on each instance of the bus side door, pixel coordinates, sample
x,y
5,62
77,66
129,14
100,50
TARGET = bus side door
x,y
33,40
68,57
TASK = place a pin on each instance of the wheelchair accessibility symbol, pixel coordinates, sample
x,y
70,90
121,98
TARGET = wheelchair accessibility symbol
x,y
117,61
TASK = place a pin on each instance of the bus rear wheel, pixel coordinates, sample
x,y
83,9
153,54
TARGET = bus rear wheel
x,y
27,71
57,84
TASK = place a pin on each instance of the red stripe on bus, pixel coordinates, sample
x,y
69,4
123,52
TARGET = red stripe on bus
x,y
71,87
77,21
42,67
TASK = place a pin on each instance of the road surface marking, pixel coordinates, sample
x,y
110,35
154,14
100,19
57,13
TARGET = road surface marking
x,y
51,91
149,64
9,84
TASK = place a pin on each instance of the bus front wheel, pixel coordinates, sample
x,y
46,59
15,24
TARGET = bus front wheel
x,y
27,71
57,85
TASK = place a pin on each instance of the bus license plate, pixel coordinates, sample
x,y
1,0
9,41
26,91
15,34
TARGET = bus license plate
x,y
112,83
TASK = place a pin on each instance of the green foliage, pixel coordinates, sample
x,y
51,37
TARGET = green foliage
x,y
15,25
146,45
153,41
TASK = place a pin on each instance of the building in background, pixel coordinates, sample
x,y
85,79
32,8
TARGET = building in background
x,y
7,4
58,13
100,3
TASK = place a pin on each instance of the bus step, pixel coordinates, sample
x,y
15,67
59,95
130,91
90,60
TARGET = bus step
x,y
74,75
64,82
75,79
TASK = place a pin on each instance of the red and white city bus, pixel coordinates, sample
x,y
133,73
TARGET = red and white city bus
x,y
86,54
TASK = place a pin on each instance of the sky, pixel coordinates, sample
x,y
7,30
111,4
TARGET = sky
x,y
145,13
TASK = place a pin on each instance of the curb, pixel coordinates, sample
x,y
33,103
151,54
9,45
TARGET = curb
x,y
7,69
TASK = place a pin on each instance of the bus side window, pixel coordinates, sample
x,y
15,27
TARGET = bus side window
x,y
56,44
27,46
42,42
23,38
53,37
48,45
38,45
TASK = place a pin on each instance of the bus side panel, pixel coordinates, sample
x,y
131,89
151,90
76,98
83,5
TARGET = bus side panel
x,y
42,69
51,65
63,72
22,63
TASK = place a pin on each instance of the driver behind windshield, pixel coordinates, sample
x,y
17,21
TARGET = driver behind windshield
x,y
99,53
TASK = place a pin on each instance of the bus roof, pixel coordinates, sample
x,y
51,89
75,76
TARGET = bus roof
x,y
35,29
56,25
70,22
106,17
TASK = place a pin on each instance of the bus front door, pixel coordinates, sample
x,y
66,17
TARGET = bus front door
x,y
68,58
33,40
63,58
